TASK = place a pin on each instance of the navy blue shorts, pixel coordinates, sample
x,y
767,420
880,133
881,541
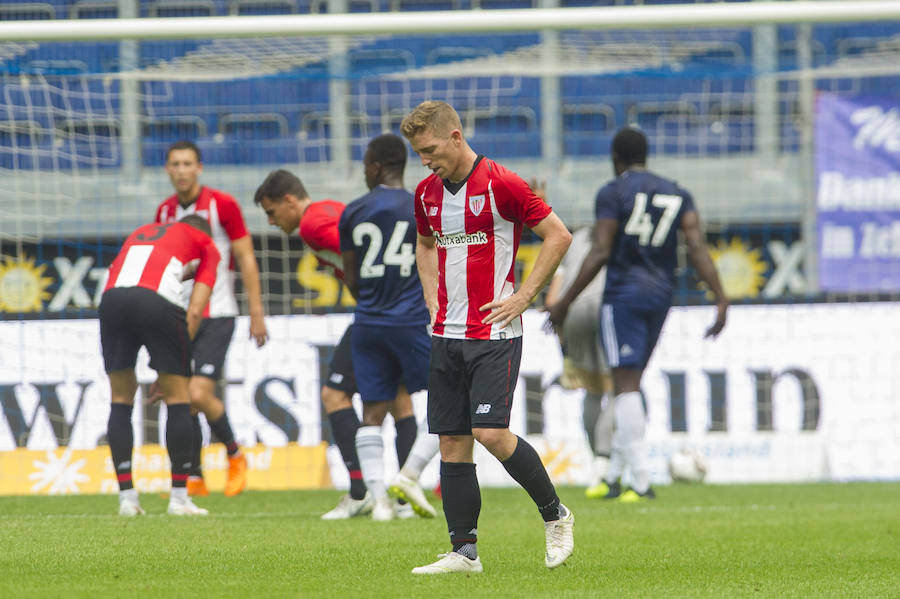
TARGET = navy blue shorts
x,y
471,384
340,369
384,357
133,316
629,333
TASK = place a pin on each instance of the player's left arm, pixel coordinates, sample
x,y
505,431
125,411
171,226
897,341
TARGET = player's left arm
x,y
706,268
556,240
242,250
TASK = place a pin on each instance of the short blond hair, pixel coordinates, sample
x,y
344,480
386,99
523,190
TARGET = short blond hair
x,y
438,117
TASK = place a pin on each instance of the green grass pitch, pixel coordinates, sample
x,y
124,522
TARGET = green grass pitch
x,y
800,540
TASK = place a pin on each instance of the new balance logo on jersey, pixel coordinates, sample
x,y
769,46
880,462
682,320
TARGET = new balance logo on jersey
x,y
626,350
476,203
432,211
483,408
458,239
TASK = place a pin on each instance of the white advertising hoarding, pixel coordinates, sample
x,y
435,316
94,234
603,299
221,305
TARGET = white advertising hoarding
x,y
787,393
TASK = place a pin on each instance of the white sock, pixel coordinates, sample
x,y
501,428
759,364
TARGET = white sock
x,y
422,452
631,421
178,494
370,449
130,495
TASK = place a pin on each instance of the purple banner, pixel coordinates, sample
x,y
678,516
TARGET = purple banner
x,y
857,154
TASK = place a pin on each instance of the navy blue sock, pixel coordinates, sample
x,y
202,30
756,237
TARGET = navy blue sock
x,y
526,468
120,436
407,431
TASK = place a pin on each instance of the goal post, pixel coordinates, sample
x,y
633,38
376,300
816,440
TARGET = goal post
x,y
544,18
780,118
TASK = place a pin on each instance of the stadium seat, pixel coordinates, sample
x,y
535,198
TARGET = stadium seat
x,y
94,9
181,8
30,11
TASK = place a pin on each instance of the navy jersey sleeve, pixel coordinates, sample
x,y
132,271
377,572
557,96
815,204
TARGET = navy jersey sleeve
x,y
606,204
687,202
344,231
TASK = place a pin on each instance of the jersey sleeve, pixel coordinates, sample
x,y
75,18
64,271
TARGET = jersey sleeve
x,y
423,227
516,201
209,260
345,235
687,202
605,205
231,217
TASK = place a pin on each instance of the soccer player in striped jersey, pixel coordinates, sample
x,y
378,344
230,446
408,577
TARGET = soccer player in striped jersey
x,y
229,232
469,215
638,216
141,306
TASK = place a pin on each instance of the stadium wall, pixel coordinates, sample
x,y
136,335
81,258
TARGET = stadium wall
x,y
788,393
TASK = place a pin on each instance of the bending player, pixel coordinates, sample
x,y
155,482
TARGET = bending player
x,y
141,306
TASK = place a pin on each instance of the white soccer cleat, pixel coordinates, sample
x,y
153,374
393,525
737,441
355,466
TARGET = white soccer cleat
x,y
560,539
130,508
348,508
405,488
185,507
404,511
383,510
450,563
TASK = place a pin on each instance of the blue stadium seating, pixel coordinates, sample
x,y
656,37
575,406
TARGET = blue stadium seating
x,y
285,118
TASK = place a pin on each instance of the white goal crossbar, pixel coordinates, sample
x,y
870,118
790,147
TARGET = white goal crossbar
x,y
470,21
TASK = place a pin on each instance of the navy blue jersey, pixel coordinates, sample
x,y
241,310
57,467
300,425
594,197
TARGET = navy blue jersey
x,y
380,228
649,209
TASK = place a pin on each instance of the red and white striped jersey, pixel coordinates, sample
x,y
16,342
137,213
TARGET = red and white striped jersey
x,y
477,232
155,257
227,223
319,230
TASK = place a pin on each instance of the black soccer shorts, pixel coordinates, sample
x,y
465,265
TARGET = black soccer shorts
x,y
134,316
211,345
340,369
471,384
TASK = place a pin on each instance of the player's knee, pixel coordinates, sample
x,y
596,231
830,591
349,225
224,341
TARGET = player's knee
x,y
335,399
494,439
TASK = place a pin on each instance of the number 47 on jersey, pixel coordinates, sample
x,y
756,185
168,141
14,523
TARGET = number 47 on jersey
x,y
640,223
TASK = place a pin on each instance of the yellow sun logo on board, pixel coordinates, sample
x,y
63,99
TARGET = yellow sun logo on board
x,y
23,286
740,268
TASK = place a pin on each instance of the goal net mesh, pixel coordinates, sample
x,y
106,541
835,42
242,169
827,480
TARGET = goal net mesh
x,y
730,113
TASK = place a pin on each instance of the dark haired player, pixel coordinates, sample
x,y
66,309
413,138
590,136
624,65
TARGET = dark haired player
x,y
391,344
635,236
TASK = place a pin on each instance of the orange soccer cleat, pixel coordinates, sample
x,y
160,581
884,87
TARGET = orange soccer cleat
x,y
196,486
237,475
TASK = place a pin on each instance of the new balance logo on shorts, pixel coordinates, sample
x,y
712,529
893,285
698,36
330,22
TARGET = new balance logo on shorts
x,y
483,408
207,369
336,377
